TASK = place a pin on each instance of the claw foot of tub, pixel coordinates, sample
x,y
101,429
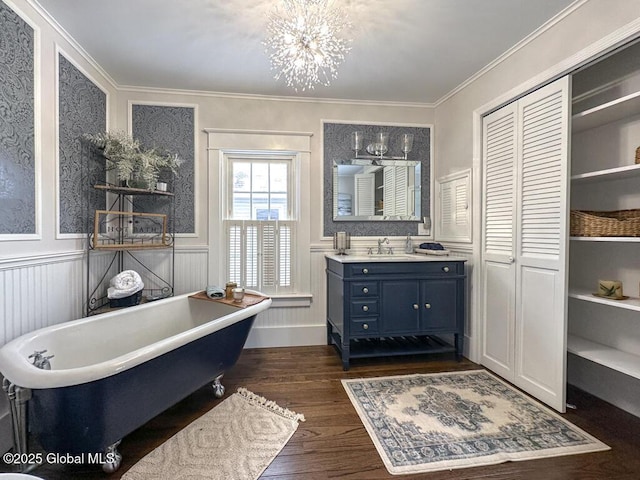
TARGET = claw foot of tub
x,y
113,459
218,388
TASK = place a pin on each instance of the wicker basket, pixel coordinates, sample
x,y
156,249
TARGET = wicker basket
x,y
638,155
618,223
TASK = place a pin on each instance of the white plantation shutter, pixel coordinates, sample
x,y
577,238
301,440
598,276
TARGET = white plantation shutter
x,y
235,240
261,254
269,256
454,193
285,253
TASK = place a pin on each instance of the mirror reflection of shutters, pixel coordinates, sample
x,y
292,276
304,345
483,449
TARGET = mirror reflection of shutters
x,y
365,194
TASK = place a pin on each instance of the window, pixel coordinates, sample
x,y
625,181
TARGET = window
x,y
261,220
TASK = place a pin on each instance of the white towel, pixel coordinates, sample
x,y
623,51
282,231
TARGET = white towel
x,y
125,284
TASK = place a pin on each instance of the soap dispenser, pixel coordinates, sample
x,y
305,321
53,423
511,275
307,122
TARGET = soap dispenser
x,y
408,247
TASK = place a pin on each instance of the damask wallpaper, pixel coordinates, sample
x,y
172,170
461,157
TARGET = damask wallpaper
x,y
172,129
17,131
337,146
82,108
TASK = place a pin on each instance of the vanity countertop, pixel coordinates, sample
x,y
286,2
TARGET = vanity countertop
x,y
397,257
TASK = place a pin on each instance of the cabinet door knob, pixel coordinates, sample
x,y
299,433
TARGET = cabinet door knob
x,y
365,290
416,306
365,270
445,269
365,308
365,327
427,305
511,259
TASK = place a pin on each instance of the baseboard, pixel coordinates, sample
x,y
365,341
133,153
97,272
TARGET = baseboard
x,y
289,336
605,383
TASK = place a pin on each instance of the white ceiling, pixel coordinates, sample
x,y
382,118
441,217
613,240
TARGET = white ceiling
x,y
413,51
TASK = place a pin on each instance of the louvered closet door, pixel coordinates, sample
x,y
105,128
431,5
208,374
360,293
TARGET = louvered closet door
x,y
498,240
541,261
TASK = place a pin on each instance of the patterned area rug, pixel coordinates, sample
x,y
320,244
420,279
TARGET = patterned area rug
x,y
237,440
424,423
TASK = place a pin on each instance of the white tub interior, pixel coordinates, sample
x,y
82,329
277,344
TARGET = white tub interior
x,y
107,337
103,345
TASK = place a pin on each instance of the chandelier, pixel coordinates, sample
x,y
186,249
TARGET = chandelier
x,y
304,42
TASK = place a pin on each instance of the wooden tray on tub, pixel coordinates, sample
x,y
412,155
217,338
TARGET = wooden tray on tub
x,y
248,299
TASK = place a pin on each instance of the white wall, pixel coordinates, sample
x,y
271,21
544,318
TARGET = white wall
x,y
545,55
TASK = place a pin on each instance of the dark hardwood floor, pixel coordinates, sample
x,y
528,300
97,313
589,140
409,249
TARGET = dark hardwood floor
x,y
333,443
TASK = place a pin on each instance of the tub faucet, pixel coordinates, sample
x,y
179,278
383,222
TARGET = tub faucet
x,y
41,361
380,242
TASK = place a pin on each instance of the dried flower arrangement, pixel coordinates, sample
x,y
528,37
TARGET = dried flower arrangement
x,y
133,165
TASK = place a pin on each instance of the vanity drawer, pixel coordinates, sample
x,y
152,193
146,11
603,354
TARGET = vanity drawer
x,y
431,268
364,289
364,326
364,307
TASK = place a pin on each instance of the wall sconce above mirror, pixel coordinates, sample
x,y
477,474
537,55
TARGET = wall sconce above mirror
x,y
380,145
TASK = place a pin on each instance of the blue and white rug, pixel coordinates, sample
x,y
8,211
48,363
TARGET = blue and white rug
x,y
424,423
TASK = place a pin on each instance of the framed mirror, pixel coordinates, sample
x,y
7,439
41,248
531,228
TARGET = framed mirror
x,y
400,152
365,190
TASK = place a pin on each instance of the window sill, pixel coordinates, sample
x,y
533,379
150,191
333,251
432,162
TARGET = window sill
x,y
291,300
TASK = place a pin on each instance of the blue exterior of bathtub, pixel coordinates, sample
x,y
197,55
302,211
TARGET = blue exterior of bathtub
x,y
89,417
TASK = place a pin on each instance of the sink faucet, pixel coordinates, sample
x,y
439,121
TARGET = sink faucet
x,y
380,242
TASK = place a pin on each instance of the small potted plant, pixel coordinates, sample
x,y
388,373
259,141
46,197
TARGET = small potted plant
x,y
134,166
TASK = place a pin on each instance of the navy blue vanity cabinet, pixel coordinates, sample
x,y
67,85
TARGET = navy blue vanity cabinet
x,y
395,307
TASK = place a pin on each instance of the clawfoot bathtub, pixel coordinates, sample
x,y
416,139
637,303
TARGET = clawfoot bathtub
x,y
104,376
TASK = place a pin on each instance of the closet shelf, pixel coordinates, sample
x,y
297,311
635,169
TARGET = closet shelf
x,y
587,296
617,173
617,109
610,357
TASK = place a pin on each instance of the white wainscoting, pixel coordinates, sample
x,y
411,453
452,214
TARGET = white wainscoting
x,y
190,268
296,326
38,292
